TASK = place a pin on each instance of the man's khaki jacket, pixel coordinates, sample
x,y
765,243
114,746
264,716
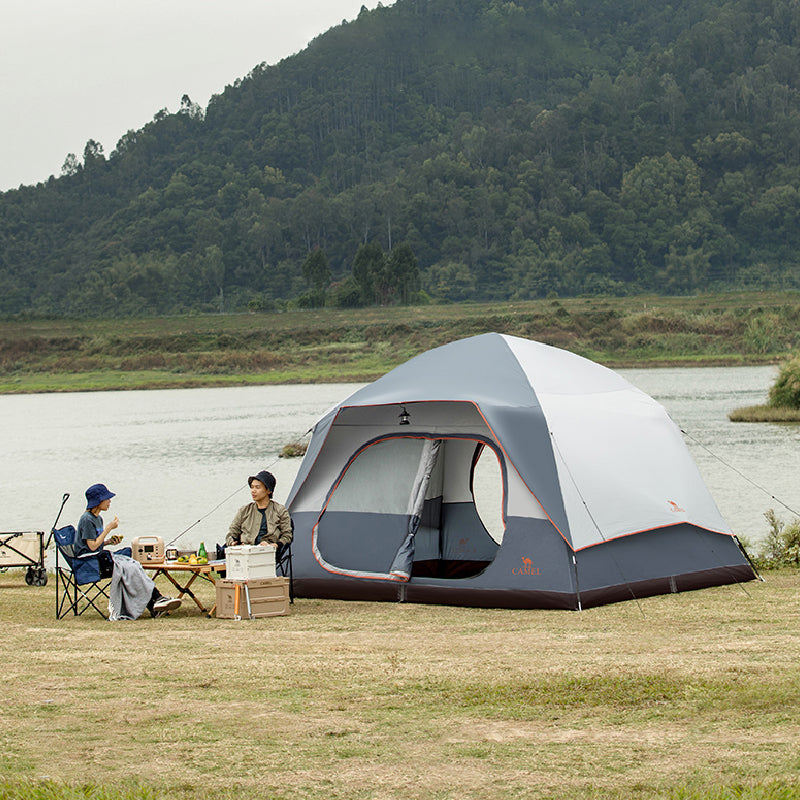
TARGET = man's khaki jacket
x,y
247,523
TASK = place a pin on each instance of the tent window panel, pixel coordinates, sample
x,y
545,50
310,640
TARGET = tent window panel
x,y
368,486
487,490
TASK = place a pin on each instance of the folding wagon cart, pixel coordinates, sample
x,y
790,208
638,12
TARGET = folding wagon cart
x,y
24,549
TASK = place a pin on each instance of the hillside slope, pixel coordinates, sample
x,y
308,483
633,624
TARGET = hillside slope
x,y
520,149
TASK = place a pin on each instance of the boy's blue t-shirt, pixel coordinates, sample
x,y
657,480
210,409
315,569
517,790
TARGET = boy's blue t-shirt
x,y
89,527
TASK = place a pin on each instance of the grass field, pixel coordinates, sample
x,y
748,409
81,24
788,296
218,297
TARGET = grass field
x,y
335,345
688,697
691,696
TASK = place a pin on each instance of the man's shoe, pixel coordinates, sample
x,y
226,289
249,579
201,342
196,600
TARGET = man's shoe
x,y
164,605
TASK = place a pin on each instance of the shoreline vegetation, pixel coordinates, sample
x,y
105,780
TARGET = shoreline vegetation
x,y
764,414
783,404
360,345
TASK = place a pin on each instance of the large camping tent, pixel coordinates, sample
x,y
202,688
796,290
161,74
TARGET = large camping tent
x,y
600,498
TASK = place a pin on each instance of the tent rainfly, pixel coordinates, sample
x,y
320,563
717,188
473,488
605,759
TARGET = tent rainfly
x,y
600,499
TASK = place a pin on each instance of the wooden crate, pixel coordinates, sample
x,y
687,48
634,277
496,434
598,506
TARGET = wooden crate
x,y
269,597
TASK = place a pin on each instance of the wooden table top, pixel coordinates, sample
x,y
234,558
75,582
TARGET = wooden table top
x,y
174,566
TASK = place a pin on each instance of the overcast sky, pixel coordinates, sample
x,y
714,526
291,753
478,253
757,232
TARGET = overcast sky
x,y
94,69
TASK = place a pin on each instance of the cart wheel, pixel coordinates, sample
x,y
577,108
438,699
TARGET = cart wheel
x,y
29,576
41,577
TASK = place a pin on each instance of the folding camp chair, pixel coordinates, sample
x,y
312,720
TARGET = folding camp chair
x,y
79,586
283,565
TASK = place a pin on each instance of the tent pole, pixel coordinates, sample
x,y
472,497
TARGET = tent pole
x,y
747,556
577,585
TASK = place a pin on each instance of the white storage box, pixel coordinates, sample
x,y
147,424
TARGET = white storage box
x,y
247,562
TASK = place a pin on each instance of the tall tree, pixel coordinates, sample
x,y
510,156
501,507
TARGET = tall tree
x,y
318,276
402,277
368,266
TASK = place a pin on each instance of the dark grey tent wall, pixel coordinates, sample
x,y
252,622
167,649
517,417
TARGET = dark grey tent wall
x,y
655,562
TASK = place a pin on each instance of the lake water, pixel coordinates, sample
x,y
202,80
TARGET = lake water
x,y
180,458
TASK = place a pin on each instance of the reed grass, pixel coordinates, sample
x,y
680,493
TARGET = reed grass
x,y
765,414
334,345
692,696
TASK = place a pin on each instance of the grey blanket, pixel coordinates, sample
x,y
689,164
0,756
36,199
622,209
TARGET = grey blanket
x,y
130,589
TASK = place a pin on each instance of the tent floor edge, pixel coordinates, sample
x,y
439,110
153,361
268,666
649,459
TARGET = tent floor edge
x,y
388,591
637,590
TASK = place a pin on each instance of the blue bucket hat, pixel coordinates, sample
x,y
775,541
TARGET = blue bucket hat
x,y
96,493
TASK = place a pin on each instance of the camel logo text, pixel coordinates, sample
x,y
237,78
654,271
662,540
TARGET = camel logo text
x,y
676,508
527,568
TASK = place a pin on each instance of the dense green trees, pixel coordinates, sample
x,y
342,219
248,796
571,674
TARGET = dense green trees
x,y
452,149
318,275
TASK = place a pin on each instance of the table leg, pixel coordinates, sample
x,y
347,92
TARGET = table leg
x,y
182,590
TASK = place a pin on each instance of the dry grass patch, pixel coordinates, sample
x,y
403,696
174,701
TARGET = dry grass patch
x,y
688,695
764,414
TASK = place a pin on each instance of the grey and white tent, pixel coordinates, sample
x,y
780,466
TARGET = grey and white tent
x,y
600,498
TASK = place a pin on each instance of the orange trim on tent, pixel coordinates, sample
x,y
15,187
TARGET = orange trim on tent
x,y
653,528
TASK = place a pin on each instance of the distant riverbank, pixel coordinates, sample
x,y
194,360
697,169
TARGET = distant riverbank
x,y
359,345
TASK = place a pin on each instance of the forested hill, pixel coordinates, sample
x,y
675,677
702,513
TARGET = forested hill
x,y
508,149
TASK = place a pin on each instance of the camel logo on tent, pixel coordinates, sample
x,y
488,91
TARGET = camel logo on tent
x,y
527,568
676,508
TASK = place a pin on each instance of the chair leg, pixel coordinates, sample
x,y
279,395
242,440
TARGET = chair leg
x,y
77,599
66,594
285,567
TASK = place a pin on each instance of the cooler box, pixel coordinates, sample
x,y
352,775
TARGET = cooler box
x,y
268,597
246,562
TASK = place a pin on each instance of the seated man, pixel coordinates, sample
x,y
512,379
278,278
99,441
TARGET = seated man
x,y
131,589
264,521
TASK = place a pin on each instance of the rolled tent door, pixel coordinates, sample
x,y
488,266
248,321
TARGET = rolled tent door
x,y
403,562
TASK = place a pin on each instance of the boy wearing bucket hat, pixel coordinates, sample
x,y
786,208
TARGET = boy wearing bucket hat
x,y
129,583
264,521
92,533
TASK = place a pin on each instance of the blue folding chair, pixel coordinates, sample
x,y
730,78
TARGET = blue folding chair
x,y
80,584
